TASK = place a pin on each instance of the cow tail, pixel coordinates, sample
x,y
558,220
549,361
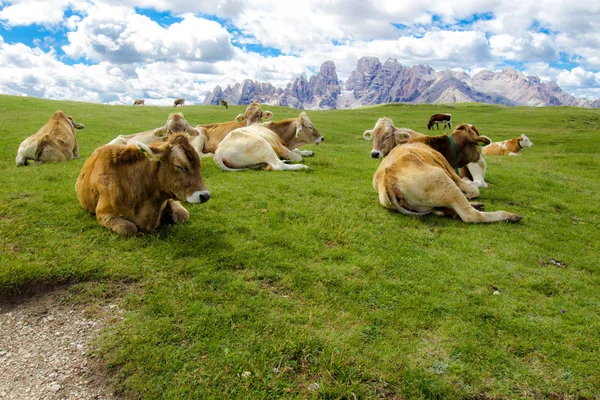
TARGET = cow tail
x,y
41,145
225,167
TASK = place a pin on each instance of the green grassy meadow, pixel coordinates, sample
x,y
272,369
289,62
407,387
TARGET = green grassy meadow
x,y
299,284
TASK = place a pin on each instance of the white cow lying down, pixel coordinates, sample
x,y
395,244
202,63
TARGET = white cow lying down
x,y
254,147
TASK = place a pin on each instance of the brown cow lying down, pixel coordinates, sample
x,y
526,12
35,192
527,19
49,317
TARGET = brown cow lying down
x,y
416,178
175,123
212,134
511,147
54,142
132,188
386,136
259,145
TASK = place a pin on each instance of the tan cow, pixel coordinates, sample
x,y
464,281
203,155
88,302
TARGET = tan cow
x,y
386,136
138,102
511,147
54,142
179,102
212,134
134,187
416,178
260,144
175,123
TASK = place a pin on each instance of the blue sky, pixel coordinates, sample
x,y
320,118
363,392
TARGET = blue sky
x,y
115,51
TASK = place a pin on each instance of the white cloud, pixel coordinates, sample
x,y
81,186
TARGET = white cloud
x,y
119,35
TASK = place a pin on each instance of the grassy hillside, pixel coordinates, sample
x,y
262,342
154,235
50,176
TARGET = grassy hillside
x,y
306,282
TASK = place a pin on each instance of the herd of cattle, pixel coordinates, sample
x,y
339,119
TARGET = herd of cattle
x,y
135,182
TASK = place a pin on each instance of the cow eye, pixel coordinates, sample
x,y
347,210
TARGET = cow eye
x,y
179,167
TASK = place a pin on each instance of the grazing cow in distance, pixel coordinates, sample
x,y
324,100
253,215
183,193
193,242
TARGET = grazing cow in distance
x,y
260,144
511,147
386,136
179,102
55,141
435,119
223,103
136,187
175,123
212,134
417,179
138,102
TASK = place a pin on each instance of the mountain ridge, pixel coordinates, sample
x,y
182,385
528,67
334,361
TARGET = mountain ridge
x,y
373,82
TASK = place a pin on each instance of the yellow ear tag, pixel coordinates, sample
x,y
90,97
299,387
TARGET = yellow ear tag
x,y
145,153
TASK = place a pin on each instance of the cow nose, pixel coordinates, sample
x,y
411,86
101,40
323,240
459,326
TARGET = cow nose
x,y
199,197
375,154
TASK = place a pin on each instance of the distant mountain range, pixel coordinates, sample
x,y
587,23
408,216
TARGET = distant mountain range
x,y
375,83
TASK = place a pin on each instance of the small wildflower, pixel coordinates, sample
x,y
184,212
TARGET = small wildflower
x,y
246,374
313,386
564,311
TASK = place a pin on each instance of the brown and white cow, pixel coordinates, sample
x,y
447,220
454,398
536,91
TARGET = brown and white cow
x,y
138,102
435,119
175,123
134,187
55,141
417,179
386,136
511,147
212,134
223,103
267,144
179,102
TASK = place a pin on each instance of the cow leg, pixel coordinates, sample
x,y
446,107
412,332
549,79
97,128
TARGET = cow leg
x,y
477,170
174,213
304,153
76,151
108,219
26,152
428,186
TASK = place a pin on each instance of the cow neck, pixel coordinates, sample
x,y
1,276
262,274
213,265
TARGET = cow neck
x,y
453,147
519,143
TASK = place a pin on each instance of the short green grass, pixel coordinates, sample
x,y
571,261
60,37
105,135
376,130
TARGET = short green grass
x,y
301,285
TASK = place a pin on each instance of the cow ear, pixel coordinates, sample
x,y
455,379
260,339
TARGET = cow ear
x,y
267,114
192,131
299,127
483,140
368,135
402,135
240,118
153,155
160,131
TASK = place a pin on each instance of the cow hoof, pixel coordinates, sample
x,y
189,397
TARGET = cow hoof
x,y
514,218
180,216
125,228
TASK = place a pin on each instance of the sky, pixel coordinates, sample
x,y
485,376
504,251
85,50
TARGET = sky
x,y
116,51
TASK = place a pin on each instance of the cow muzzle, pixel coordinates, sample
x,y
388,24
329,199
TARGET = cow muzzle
x,y
376,154
199,197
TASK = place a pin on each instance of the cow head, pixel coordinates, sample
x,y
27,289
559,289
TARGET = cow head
x,y
254,114
385,137
467,140
306,131
179,168
524,141
176,123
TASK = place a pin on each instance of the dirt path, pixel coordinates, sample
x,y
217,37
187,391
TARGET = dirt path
x,y
45,348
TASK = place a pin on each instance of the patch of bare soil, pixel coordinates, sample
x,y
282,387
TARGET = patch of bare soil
x,y
46,348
